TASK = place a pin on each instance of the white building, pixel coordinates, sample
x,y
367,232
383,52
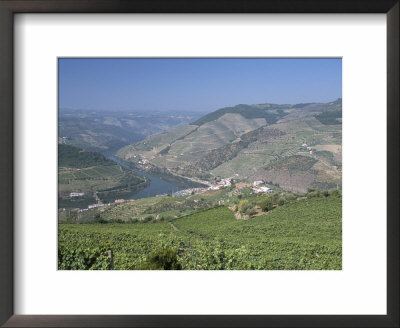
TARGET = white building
x,y
214,187
76,194
225,182
262,190
258,182
95,205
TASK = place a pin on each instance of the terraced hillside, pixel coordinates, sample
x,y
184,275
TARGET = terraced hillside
x,y
281,160
86,178
249,142
155,208
108,131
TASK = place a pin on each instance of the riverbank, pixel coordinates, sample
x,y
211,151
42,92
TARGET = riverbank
x,y
158,184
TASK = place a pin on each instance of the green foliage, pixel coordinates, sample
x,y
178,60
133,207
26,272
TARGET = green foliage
x,y
300,235
335,193
84,171
99,219
312,194
76,202
250,211
70,156
266,205
162,259
243,205
330,117
271,114
95,258
293,163
290,197
147,219
281,201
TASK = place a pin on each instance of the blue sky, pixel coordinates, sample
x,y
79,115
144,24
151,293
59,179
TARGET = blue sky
x,y
202,85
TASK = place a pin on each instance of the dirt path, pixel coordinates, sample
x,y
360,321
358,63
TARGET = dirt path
x,y
173,226
96,197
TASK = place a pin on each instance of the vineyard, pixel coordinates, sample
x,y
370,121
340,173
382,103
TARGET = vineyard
x,y
88,173
300,235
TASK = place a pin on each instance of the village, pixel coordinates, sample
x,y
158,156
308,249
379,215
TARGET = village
x,y
257,187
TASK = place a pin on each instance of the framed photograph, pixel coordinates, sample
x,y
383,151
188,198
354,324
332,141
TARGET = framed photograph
x,y
191,164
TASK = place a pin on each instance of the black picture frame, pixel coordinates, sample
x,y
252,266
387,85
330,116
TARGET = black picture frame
x,y
10,7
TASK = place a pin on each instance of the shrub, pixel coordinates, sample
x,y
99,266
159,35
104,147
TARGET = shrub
x,y
115,221
281,201
148,218
99,219
335,192
243,205
162,259
326,193
312,195
274,198
266,205
250,211
290,197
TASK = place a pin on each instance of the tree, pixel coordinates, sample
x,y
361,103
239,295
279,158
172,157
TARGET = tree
x,y
162,259
266,205
336,193
243,205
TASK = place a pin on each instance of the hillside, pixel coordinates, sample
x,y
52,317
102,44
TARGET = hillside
x,y
86,178
74,157
302,234
271,113
108,131
250,142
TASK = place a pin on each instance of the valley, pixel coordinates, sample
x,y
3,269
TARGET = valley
x,y
89,179
108,131
251,143
200,164
242,188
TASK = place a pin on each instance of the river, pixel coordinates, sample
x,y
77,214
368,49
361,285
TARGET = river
x,y
157,185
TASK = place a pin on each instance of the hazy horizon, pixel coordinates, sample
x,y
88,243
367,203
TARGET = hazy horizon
x,y
194,85
154,111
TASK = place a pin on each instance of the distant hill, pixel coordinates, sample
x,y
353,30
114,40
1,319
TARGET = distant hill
x,y
271,113
108,131
330,118
248,142
75,157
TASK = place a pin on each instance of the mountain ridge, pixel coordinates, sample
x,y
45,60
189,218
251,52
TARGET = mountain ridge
x,y
244,140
